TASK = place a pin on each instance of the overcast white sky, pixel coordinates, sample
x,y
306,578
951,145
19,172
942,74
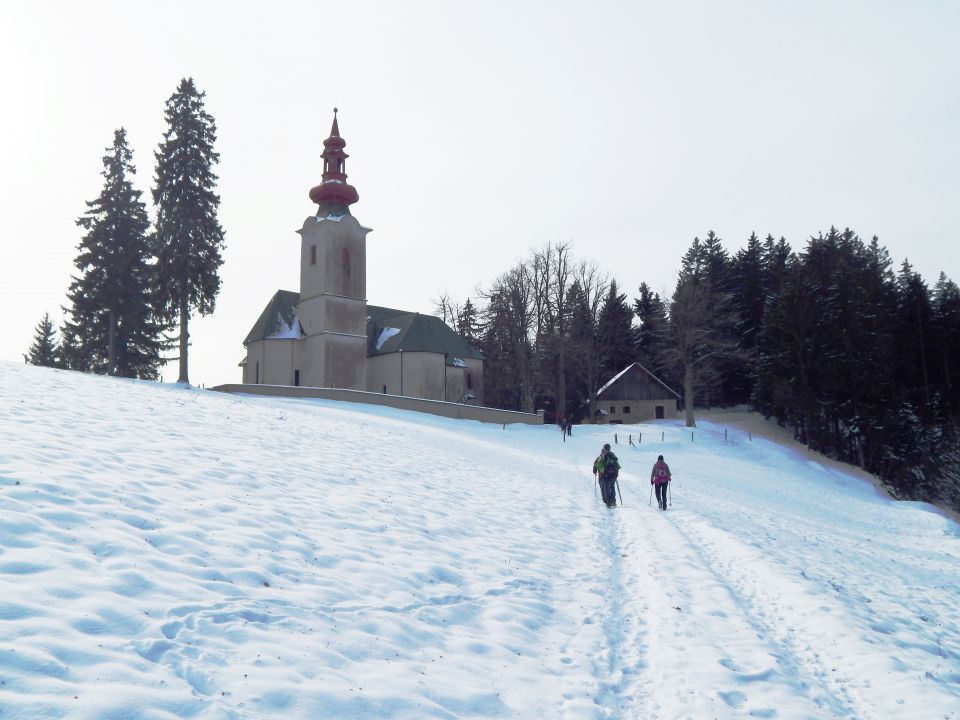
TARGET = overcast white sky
x,y
480,131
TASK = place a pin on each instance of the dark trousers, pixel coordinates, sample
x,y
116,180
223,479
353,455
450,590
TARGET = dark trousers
x,y
608,491
662,495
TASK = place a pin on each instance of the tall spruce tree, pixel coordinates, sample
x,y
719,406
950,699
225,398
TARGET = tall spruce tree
x,y
467,323
616,337
582,346
700,337
44,350
652,317
945,353
111,327
747,296
914,314
188,236
716,263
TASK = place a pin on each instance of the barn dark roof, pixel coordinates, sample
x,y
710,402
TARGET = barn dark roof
x,y
635,369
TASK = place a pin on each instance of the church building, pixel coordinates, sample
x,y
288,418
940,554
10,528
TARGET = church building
x,y
326,335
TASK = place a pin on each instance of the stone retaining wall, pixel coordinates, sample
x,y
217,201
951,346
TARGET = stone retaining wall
x,y
434,407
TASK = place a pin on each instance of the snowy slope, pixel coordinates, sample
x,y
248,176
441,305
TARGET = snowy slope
x,y
176,553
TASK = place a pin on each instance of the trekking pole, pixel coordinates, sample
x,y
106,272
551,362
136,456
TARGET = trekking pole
x,y
597,479
650,501
618,491
669,495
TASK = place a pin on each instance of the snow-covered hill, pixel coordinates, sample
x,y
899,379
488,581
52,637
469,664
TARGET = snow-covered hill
x,y
177,553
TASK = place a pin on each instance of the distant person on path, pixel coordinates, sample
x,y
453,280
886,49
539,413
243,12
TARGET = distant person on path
x,y
660,478
606,467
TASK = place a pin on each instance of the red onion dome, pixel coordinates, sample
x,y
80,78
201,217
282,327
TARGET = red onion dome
x,y
334,189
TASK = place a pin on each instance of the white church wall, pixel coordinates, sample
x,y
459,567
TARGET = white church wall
x,y
473,379
383,374
332,313
422,376
455,382
333,258
270,362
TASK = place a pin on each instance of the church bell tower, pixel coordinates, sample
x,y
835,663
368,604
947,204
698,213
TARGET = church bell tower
x,y
333,279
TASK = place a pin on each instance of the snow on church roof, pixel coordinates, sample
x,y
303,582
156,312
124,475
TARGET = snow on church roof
x,y
385,335
416,333
388,330
280,313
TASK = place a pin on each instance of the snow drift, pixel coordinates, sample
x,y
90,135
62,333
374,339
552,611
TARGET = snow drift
x,y
176,553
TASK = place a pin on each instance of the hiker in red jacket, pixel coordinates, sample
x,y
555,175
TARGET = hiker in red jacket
x,y
660,478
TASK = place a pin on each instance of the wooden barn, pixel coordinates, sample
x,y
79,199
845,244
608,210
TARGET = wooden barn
x,y
635,395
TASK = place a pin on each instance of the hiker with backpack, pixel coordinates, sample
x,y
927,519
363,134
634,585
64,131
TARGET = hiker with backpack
x,y
660,478
607,467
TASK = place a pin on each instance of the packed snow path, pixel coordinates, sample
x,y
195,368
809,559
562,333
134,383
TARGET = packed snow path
x,y
174,553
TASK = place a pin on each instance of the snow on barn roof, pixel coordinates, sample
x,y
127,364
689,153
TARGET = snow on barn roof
x,y
629,367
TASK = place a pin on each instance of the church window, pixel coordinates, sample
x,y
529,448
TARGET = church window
x,y
613,409
384,389
626,409
345,258
313,254
256,377
296,377
469,381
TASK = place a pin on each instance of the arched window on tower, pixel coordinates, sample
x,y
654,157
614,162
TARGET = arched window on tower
x,y
345,259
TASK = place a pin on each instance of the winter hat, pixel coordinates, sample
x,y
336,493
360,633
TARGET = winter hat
x,y
606,446
659,458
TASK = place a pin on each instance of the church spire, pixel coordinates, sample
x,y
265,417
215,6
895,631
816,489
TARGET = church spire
x,y
334,189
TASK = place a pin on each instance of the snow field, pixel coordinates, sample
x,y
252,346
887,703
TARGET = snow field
x,y
175,553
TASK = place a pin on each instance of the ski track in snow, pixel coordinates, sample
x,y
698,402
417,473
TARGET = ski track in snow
x,y
795,639
172,553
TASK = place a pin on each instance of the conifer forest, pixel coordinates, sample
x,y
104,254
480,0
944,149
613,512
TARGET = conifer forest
x,y
859,357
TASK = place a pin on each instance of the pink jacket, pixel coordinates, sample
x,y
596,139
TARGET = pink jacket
x,y
660,479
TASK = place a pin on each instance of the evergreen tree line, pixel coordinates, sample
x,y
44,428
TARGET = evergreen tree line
x,y
136,283
861,361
